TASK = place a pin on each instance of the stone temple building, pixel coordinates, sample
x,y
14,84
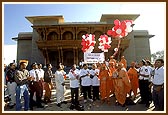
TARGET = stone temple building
x,y
53,40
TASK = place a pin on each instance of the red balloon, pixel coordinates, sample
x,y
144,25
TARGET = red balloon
x,y
116,22
109,32
123,25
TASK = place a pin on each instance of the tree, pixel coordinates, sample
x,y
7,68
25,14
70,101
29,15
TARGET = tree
x,y
157,55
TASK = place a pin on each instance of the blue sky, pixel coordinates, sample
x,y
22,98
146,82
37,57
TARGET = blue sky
x,y
152,17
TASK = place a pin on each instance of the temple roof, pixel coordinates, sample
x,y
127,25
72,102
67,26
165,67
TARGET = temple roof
x,y
106,17
59,19
33,19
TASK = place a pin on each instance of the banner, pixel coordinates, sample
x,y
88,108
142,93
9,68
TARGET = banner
x,y
94,57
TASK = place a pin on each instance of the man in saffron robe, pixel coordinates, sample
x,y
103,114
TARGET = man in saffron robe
x,y
112,60
133,76
124,61
104,76
111,85
121,84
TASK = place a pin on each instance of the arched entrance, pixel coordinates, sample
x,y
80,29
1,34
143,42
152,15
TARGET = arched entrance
x,y
68,57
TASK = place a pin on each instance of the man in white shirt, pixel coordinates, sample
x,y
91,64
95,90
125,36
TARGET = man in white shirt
x,y
35,86
158,85
74,85
41,76
95,82
86,83
144,83
60,84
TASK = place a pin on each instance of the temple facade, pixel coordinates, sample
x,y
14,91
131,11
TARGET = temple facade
x,y
53,40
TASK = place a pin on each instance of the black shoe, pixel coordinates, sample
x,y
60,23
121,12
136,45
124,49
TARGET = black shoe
x,y
49,101
59,104
117,103
45,101
31,108
64,102
98,98
11,106
41,106
123,105
79,108
72,106
147,105
141,102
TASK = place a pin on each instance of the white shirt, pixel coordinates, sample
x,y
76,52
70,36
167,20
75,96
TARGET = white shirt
x,y
150,71
145,71
86,81
95,80
158,78
41,73
74,82
33,74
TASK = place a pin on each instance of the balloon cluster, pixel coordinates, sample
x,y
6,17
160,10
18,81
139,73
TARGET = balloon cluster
x,y
88,42
104,43
121,29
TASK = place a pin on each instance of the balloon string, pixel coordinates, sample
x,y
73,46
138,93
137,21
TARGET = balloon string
x,y
119,42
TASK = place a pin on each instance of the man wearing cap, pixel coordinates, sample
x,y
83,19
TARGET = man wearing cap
x,y
35,87
144,83
21,78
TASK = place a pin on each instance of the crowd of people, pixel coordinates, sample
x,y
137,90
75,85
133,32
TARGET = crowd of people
x,y
100,82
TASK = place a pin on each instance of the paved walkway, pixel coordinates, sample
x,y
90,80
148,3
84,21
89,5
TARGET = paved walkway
x,y
95,106
89,107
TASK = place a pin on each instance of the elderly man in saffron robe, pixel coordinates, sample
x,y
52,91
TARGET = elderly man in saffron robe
x,y
122,84
104,76
111,70
124,61
133,76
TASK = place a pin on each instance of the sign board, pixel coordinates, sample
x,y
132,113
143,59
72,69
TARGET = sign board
x,y
94,57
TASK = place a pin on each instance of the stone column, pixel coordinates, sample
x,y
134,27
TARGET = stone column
x,y
74,52
47,58
62,60
77,60
59,54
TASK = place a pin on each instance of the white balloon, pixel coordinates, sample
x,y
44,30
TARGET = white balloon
x,y
128,29
118,31
105,50
90,49
108,42
128,23
109,38
83,36
100,44
115,49
113,29
100,47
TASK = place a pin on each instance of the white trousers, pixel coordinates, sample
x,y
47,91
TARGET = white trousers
x,y
11,87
